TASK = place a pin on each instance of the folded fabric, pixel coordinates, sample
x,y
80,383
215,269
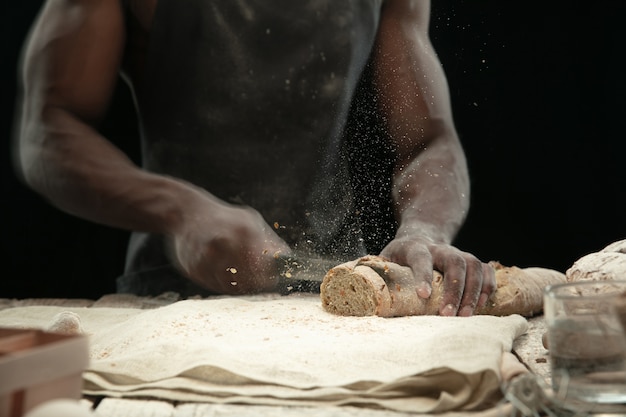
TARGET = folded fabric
x,y
289,351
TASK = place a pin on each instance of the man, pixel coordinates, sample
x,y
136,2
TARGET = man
x,y
242,107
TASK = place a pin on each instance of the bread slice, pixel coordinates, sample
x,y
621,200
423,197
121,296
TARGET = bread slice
x,y
372,286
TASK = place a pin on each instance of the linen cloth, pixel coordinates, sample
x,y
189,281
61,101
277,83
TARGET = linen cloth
x,y
289,351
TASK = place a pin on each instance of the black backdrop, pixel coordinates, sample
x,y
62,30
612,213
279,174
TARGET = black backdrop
x,y
539,97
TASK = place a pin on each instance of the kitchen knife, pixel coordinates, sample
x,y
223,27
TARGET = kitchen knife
x,y
302,274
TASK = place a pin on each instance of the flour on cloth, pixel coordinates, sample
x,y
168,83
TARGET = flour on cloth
x,y
289,351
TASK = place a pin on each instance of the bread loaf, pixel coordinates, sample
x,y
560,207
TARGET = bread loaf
x,y
606,265
365,288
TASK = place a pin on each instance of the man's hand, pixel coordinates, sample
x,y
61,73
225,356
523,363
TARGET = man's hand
x,y
468,282
227,249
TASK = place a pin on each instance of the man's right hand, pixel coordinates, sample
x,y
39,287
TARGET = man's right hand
x,y
227,249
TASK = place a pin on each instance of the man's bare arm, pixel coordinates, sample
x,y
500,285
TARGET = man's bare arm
x,y
71,64
70,68
431,184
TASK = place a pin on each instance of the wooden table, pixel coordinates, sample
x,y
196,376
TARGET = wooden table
x,y
528,348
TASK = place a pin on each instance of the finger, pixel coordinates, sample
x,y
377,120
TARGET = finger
x,y
423,276
419,260
489,284
454,271
473,287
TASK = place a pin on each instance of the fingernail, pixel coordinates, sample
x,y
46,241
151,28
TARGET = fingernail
x,y
448,310
466,311
424,290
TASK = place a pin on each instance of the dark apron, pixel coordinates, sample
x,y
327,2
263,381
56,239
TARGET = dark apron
x,y
248,99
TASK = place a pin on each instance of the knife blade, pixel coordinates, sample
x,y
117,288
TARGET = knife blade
x,y
301,274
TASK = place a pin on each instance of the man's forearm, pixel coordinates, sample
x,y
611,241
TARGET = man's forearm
x,y
80,172
431,192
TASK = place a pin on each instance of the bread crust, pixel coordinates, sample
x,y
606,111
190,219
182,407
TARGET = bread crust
x,y
389,290
606,265
520,290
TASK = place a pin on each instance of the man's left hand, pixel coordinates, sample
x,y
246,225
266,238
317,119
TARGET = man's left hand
x,y
468,282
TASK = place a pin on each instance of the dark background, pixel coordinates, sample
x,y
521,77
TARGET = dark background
x,y
539,97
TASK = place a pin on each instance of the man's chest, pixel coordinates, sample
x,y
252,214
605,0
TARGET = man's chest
x,y
258,40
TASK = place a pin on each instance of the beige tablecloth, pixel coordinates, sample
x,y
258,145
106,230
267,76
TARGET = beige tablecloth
x,y
287,350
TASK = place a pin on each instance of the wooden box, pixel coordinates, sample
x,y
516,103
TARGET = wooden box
x,y
38,366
